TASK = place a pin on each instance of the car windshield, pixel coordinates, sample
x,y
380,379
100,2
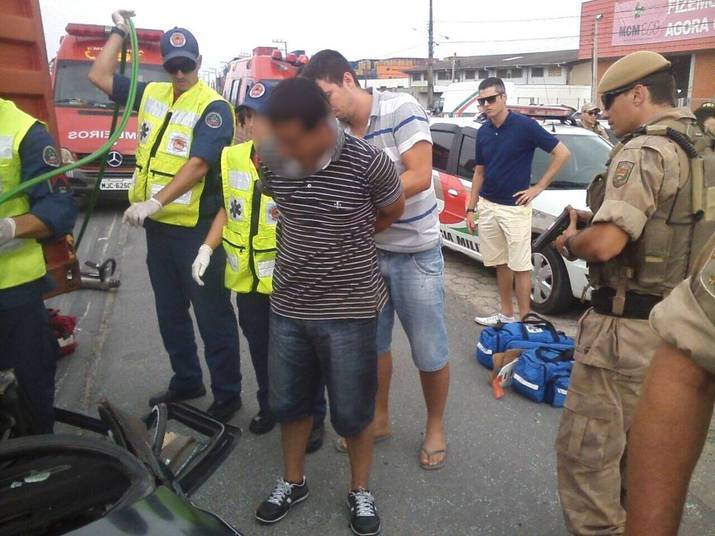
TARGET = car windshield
x,y
589,155
72,85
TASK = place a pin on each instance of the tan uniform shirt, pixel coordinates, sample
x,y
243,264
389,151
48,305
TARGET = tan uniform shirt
x,y
642,176
686,318
598,129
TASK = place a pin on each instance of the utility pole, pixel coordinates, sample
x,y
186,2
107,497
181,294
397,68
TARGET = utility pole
x,y
284,43
594,59
430,60
454,66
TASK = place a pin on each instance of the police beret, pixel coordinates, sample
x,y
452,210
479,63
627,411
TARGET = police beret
x,y
631,68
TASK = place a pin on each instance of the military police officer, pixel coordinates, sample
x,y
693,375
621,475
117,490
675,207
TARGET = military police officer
x,y
676,406
47,209
642,237
183,126
589,120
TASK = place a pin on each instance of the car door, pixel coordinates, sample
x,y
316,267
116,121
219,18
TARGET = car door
x,y
460,188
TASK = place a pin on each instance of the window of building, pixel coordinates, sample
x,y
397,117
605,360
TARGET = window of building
x,y
443,75
483,73
469,74
516,73
537,72
554,71
502,73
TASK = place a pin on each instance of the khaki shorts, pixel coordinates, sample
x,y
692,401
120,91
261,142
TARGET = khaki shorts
x,y
505,235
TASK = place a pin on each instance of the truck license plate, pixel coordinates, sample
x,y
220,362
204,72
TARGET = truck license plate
x,y
116,184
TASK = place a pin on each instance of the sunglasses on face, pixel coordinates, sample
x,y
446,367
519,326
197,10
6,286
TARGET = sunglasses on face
x,y
185,65
594,113
610,96
491,99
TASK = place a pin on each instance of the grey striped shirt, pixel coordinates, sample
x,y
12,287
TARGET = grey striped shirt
x,y
397,123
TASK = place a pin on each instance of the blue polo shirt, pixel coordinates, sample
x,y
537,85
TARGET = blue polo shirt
x,y
507,154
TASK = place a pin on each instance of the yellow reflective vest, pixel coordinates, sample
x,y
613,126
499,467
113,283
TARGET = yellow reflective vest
x,y
21,259
165,133
249,236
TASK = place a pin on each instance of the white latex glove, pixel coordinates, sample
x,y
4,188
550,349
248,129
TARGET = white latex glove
x,y
201,262
138,212
7,230
120,17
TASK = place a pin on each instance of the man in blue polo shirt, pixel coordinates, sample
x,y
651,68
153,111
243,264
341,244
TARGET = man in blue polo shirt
x,y
501,189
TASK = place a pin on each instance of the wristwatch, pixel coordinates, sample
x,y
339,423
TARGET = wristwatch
x,y
117,30
470,210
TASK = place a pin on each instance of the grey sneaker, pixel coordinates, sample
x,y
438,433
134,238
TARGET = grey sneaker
x,y
494,320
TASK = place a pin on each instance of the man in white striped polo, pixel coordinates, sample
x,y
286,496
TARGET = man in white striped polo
x,y
409,251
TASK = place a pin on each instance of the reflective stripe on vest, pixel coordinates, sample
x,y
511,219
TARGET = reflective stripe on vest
x,y
165,131
21,260
249,236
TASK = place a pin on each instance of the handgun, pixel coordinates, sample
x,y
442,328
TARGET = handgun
x,y
554,230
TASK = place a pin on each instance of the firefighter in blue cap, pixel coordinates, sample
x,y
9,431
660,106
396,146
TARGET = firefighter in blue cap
x,y
47,209
246,227
183,125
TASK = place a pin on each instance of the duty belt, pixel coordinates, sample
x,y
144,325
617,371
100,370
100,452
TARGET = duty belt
x,y
637,306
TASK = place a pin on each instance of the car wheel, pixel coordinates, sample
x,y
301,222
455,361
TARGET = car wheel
x,y
550,285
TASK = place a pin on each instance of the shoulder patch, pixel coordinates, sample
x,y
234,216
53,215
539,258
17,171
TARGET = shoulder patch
x,y
257,90
707,277
50,156
623,173
213,120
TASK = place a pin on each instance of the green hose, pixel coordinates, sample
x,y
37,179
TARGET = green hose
x,y
128,109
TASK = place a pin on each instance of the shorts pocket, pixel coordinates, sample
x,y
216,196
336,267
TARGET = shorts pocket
x,y
589,431
429,262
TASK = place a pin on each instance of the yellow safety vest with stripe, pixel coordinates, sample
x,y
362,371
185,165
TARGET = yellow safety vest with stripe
x,y
165,133
21,259
249,236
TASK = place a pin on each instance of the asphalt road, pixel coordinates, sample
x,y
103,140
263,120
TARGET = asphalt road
x,y
500,477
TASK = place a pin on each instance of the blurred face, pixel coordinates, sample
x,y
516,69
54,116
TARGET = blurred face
x,y
589,118
340,97
307,147
709,124
491,101
623,109
184,73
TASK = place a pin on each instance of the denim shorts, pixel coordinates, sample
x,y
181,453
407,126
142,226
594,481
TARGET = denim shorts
x,y
341,352
415,285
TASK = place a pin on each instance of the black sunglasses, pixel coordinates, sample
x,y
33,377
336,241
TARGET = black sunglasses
x,y
610,96
491,99
185,65
594,112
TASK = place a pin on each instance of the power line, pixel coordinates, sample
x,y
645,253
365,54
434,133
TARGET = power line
x,y
659,7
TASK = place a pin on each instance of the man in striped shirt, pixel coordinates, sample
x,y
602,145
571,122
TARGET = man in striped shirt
x,y
333,191
409,251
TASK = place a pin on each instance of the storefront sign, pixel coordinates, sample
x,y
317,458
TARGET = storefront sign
x,y
660,21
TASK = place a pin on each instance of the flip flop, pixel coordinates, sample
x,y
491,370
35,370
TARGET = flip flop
x,y
432,467
340,446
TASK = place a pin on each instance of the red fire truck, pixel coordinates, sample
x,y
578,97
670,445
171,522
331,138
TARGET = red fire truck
x,y
267,65
84,113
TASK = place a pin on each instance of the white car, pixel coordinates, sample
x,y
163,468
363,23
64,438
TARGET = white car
x,y
555,281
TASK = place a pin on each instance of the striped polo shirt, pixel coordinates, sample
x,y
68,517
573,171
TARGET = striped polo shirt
x,y
326,267
397,122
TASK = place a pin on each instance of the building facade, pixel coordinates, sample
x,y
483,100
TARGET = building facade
x,y
682,30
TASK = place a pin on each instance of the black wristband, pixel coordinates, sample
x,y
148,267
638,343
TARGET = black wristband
x,y
470,210
121,33
568,248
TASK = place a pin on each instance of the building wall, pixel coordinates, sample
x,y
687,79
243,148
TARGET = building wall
x,y
580,74
619,17
704,77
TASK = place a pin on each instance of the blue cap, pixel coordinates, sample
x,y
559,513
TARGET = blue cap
x,y
257,96
179,43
